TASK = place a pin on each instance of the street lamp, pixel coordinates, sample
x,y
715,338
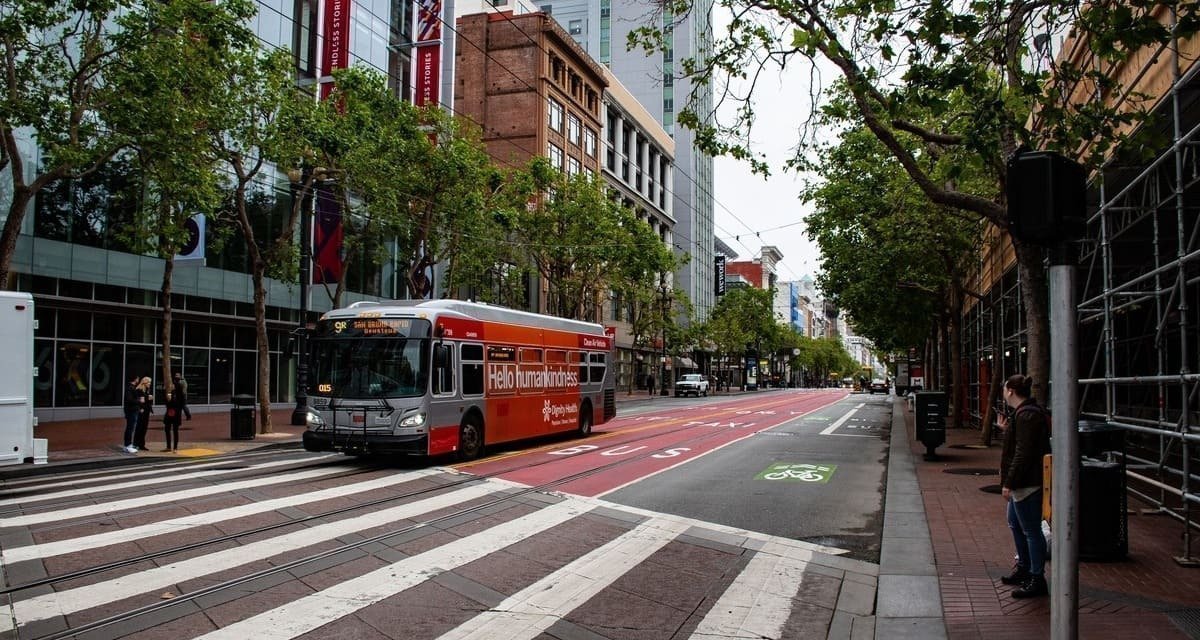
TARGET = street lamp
x,y
302,178
663,363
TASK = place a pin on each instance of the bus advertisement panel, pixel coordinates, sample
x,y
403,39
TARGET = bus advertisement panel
x,y
442,376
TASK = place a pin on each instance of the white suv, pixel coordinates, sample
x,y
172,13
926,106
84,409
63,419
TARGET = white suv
x,y
691,383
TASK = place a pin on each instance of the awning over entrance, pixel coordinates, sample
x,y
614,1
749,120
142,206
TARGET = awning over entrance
x,y
684,363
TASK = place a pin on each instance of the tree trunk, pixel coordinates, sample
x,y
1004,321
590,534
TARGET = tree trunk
x,y
12,229
1035,295
264,355
957,385
165,297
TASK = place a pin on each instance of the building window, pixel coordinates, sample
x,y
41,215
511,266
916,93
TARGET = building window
x,y
669,105
556,114
575,27
548,9
573,166
589,142
573,127
556,157
304,38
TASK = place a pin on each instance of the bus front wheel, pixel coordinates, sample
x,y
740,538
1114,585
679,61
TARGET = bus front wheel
x,y
585,420
470,438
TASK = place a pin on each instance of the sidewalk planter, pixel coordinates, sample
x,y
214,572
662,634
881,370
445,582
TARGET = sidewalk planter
x,y
241,418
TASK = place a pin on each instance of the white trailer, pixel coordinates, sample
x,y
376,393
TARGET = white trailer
x,y
17,444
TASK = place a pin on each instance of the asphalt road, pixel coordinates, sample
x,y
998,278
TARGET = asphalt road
x,y
833,495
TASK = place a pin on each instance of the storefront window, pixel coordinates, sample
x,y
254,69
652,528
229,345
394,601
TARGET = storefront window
x,y
72,374
220,376
107,376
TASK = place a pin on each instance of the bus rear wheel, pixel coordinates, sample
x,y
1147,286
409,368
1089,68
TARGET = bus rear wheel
x,y
585,420
470,439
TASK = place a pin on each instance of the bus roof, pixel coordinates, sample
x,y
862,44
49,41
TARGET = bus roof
x,y
472,310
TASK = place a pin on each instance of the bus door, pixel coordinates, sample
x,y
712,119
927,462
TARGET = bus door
x,y
444,414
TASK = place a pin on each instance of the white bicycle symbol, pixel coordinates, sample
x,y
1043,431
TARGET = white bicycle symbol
x,y
807,475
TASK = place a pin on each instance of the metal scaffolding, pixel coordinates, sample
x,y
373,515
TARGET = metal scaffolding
x,y
1140,282
1141,268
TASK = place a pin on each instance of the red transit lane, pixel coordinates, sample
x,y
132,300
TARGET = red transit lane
x,y
659,440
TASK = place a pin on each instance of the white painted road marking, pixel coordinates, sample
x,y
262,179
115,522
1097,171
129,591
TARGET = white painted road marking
x,y
94,595
160,498
175,525
537,607
311,612
137,484
759,601
839,422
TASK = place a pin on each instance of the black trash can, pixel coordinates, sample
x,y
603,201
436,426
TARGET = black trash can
x,y
241,418
1103,524
1103,500
930,410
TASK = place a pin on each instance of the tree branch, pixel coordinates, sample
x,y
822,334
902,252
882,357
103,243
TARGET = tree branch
x,y
925,134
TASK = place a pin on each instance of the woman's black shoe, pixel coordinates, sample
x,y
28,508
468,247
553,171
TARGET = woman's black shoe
x,y
1035,587
1017,577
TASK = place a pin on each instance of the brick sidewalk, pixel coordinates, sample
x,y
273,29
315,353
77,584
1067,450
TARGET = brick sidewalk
x,y
1132,598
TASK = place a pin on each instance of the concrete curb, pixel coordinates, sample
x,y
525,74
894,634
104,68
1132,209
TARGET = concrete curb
x,y
908,601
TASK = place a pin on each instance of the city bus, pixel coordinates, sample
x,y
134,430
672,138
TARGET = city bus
x,y
434,377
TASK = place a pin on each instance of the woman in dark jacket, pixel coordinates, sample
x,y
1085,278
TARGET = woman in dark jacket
x,y
1025,443
146,407
132,406
172,418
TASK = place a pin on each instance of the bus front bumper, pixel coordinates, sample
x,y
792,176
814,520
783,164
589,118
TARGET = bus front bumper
x,y
357,443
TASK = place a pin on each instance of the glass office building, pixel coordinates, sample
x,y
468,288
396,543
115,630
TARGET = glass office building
x,y
98,307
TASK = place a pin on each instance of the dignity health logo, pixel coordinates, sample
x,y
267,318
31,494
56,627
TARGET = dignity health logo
x,y
552,412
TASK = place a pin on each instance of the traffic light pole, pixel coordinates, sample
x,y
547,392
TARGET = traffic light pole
x,y
1064,556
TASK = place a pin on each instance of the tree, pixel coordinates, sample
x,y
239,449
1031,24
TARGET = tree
x,y
266,119
578,239
741,320
172,80
53,57
966,82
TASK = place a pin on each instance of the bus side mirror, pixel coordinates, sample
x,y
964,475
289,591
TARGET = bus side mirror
x,y
439,332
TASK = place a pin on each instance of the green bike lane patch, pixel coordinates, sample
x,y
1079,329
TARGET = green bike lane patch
x,y
797,472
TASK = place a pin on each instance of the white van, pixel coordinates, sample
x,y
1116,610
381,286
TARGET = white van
x,y
17,444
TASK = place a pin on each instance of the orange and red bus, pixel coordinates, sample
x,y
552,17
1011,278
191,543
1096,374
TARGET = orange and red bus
x,y
432,377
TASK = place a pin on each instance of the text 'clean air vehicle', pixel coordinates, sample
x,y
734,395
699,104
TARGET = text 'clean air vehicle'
x,y
431,377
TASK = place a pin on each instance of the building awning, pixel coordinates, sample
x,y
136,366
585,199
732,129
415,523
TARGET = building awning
x,y
684,363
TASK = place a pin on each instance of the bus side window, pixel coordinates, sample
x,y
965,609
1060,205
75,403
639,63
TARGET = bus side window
x,y
471,356
581,358
598,367
443,369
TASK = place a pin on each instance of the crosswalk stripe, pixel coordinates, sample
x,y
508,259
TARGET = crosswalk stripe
x,y
758,602
159,498
137,484
81,598
535,608
175,525
310,612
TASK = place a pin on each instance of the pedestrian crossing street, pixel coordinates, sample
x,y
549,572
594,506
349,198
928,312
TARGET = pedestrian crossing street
x,y
255,551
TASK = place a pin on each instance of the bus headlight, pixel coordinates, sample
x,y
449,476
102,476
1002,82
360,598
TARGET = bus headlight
x,y
415,420
314,419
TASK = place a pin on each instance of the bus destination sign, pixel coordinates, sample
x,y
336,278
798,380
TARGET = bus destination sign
x,y
374,327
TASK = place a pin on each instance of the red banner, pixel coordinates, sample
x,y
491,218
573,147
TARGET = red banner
x,y
429,67
336,52
327,239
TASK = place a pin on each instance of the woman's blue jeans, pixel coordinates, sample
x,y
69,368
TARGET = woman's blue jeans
x,y
1025,520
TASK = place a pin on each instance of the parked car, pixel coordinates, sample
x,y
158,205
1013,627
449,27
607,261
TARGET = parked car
x,y
878,385
691,383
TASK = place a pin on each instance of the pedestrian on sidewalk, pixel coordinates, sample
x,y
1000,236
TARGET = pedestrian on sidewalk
x,y
181,393
172,417
650,384
1026,440
145,408
132,406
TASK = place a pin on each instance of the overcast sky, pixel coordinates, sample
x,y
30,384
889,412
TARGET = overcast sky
x,y
752,212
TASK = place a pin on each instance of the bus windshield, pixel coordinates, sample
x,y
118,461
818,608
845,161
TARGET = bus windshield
x,y
369,367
